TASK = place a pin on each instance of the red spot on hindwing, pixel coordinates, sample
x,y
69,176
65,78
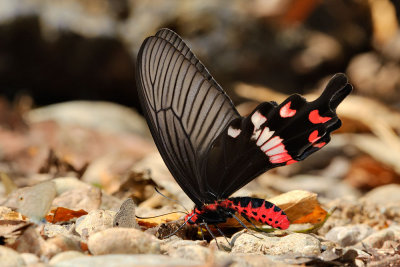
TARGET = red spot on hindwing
x,y
291,162
319,145
313,137
315,118
286,111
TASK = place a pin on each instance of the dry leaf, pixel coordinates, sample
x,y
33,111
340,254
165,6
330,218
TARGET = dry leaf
x,y
316,216
296,203
61,214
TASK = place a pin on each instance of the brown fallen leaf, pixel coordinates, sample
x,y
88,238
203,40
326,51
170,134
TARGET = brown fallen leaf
x,y
61,214
316,216
8,214
296,204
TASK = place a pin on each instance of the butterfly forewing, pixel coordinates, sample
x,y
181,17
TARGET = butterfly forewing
x,y
185,108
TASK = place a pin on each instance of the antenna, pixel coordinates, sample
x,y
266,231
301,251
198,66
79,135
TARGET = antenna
x,y
139,217
173,200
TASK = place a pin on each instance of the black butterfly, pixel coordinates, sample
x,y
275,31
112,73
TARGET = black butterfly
x,y
208,147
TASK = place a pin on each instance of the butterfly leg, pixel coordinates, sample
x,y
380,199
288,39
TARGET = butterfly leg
x,y
212,235
222,233
179,228
249,221
242,224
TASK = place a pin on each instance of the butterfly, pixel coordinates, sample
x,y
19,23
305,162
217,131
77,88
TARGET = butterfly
x,y
209,148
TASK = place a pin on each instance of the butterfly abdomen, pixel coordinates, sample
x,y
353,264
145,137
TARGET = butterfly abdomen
x,y
259,210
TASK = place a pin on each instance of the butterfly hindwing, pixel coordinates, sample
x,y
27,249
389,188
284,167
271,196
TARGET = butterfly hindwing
x,y
271,136
185,107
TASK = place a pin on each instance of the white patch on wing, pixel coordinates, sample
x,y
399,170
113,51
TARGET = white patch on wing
x,y
255,135
233,132
271,143
265,135
276,150
258,119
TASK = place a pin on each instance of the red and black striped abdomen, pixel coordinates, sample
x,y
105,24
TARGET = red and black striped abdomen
x,y
258,209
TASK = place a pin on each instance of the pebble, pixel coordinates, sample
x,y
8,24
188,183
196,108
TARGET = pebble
x,y
377,240
254,260
384,195
175,242
109,202
29,258
123,240
264,244
126,260
51,230
67,255
93,222
60,243
8,257
349,235
200,253
64,184
86,197
223,244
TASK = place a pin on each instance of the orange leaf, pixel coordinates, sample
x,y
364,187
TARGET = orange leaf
x,y
316,216
61,214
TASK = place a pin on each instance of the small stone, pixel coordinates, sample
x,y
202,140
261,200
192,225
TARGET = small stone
x,y
384,195
8,257
253,260
51,230
31,242
109,202
349,235
265,244
127,260
174,242
60,243
85,197
223,243
67,255
64,184
199,253
376,240
95,221
29,258
123,240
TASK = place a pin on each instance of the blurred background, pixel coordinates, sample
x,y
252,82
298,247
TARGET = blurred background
x,y
258,50
63,50
70,115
